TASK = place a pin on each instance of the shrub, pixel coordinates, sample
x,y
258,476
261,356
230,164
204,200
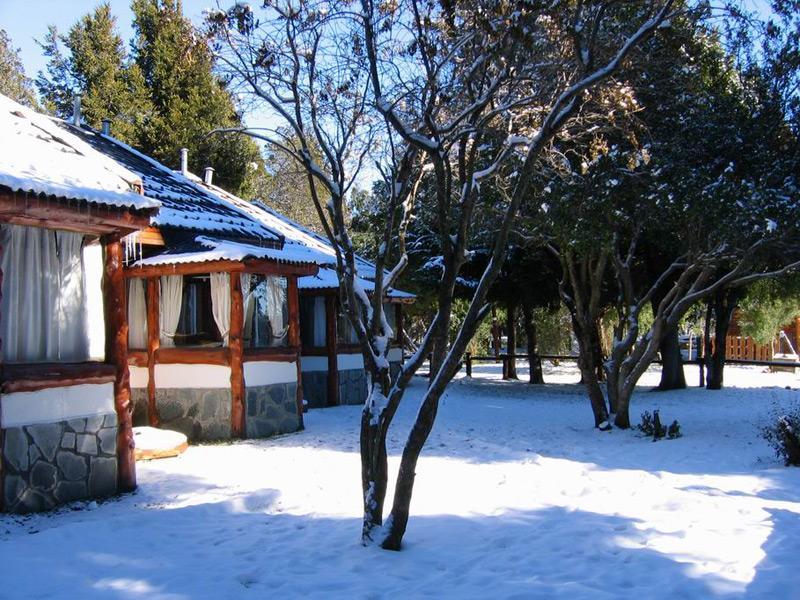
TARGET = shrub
x,y
784,437
651,426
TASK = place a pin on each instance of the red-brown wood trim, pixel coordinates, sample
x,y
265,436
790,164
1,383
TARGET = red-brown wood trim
x,y
294,340
33,377
348,349
137,358
199,268
193,356
263,267
315,351
235,344
150,236
283,354
398,324
153,344
330,343
117,354
72,215
268,267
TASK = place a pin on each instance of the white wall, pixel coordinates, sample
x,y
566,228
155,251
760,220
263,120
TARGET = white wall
x,y
56,404
269,372
139,376
192,376
314,363
350,361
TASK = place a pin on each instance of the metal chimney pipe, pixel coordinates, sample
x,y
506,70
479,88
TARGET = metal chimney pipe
x,y
76,111
106,127
184,161
208,175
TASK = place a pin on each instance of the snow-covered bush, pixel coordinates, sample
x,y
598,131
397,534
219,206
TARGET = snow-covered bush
x,y
784,437
651,426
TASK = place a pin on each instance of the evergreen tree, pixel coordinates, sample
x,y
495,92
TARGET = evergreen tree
x,y
96,67
13,82
189,100
161,98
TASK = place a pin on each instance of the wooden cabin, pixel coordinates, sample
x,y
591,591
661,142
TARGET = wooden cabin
x,y
332,364
65,419
214,337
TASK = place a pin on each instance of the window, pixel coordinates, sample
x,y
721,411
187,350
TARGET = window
x,y
196,326
312,321
137,314
43,314
344,329
266,311
390,310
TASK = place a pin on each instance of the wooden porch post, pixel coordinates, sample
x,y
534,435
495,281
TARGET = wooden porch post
x,y
294,339
235,344
398,323
331,347
117,354
153,343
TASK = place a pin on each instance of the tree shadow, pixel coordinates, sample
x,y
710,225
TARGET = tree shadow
x,y
244,546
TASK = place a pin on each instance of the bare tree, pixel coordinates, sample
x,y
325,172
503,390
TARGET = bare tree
x,y
442,92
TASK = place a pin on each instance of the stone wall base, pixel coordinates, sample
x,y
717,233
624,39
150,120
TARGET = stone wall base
x,y
271,409
315,388
139,403
352,386
48,464
200,414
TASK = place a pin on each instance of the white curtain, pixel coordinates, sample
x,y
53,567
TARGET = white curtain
x,y
42,316
276,308
320,324
169,313
221,303
249,306
137,314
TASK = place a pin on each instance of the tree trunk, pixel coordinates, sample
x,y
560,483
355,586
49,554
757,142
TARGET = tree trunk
x,y
672,377
724,303
511,325
588,369
622,418
535,362
496,341
374,464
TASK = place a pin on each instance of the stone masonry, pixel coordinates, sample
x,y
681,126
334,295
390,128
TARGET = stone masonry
x,y
315,388
352,386
139,402
271,409
48,464
200,414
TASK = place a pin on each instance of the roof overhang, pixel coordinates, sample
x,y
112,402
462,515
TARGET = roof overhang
x,y
81,216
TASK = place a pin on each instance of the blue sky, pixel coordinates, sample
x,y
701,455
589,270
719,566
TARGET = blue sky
x,y
27,20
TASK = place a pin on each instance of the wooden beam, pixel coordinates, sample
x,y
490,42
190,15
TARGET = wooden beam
x,y
331,346
193,356
279,354
199,268
73,215
398,324
263,267
235,345
150,236
153,344
294,340
31,377
117,354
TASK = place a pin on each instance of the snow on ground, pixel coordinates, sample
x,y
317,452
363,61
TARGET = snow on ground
x,y
517,496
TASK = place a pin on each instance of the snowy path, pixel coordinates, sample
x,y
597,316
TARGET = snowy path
x,y
517,497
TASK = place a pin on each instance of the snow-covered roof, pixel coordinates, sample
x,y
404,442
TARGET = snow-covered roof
x,y
295,235
208,249
327,279
40,157
185,203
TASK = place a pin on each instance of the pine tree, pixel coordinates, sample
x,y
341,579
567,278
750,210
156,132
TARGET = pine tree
x,y
13,82
161,98
189,99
